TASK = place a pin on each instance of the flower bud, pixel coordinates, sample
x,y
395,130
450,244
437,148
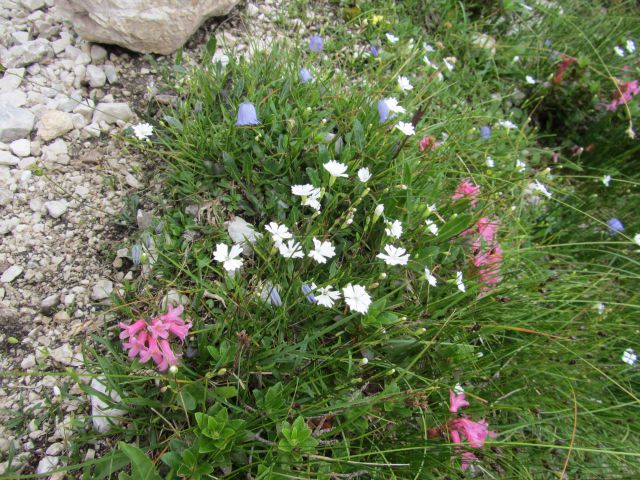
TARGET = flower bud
x,y
364,361
173,369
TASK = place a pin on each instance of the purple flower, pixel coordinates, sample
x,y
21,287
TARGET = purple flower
x,y
615,225
383,110
485,132
274,296
136,254
247,115
374,51
306,289
305,75
316,44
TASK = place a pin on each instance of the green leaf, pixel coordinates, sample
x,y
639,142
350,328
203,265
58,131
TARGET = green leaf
x,y
226,392
209,50
231,167
142,468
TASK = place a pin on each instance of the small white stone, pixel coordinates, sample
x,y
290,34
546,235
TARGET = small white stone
x,y
21,148
11,273
95,76
7,159
56,208
54,123
28,362
47,464
132,181
98,53
102,289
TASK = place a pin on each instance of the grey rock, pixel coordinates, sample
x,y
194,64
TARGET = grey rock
x,y
98,53
56,152
28,362
15,123
64,355
54,123
21,148
48,305
20,37
56,208
112,112
6,197
11,273
102,289
33,4
95,76
12,79
110,72
102,414
13,98
27,53
7,159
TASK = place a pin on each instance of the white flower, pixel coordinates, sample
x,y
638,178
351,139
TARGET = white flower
x,y
321,251
636,239
606,180
220,57
432,227
516,59
508,124
394,229
406,128
391,37
459,283
629,356
458,390
291,249
393,105
450,62
394,256
279,233
530,80
379,210
490,162
631,46
303,190
427,47
601,307
440,77
426,60
313,201
520,166
412,43
429,277
228,258
432,208
142,131
364,175
356,298
541,188
336,169
404,83
619,51
326,296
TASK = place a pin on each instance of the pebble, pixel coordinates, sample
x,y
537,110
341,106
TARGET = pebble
x,y
21,148
48,305
56,208
15,123
54,123
95,76
47,464
102,289
11,273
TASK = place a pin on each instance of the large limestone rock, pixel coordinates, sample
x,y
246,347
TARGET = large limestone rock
x,y
148,26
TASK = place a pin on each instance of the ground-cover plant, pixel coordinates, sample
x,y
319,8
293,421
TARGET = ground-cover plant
x,y
379,278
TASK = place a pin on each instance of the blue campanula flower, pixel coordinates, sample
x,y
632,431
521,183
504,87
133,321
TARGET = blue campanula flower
x,y
615,225
136,254
485,132
247,115
316,44
374,51
305,75
383,110
274,297
306,289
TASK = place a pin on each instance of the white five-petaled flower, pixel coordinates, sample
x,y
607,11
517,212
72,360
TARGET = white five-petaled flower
x,y
508,124
304,190
450,63
530,80
142,131
356,298
291,249
459,282
426,60
432,208
631,46
429,277
336,169
391,37
394,256
404,83
606,180
619,51
393,105
394,229
364,175
406,128
490,162
629,356
322,251
379,210
457,389
432,227
636,239
520,166
279,233
541,188
601,307
326,296
228,257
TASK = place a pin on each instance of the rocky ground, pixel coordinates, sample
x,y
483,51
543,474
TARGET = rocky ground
x,y
66,184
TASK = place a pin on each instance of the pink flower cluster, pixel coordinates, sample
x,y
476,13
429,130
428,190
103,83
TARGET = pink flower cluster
x,y
487,253
462,429
428,143
467,189
623,94
151,341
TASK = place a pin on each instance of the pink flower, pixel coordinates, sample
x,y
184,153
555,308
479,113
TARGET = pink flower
x,y
467,459
173,314
136,344
487,229
456,401
428,143
131,330
158,328
623,94
466,189
474,433
167,357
